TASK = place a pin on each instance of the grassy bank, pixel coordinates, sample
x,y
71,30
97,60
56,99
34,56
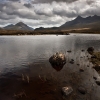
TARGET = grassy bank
x,y
17,32
20,32
95,59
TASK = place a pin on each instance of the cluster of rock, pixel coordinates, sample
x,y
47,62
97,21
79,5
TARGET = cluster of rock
x,y
95,58
58,60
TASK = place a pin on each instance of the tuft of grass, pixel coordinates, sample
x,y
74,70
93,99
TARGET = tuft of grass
x,y
25,78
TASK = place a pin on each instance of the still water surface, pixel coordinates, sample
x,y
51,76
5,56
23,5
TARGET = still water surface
x,y
29,56
18,51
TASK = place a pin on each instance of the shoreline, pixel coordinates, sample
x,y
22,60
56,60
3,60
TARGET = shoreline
x,y
18,32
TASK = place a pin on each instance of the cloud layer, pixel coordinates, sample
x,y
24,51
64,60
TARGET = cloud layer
x,y
49,1
46,13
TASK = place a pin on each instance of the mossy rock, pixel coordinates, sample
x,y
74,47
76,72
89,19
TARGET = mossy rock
x,y
95,59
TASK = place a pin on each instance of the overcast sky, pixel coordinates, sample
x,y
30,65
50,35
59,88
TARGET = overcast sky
x,y
45,13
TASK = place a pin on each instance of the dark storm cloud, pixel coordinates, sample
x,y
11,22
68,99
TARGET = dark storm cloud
x,y
90,2
28,5
46,12
14,0
4,16
16,9
49,1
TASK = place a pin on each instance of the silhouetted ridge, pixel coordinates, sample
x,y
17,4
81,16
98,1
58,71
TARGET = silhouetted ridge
x,y
18,26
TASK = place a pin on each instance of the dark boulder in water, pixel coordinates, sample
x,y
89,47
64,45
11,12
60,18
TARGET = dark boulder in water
x,y
90,50
58,60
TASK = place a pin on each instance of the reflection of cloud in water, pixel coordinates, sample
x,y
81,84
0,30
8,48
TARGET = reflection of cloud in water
x,y
34,52
19,51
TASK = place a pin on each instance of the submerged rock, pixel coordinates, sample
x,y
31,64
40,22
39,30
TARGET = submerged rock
x,y
67,90
97,67
72,61
98,83
82,50
69,51
90,50
82,90
95,59
58,60
81,70
95,78
78,64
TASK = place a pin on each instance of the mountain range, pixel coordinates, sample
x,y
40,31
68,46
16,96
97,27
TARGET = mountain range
x,y
79,23
18,26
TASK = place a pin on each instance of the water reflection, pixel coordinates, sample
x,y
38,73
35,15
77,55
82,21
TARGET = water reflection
x,y
18,51
57,68
27,56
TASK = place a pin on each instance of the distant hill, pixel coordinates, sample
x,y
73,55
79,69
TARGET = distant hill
x,y
46,29
79,23
91,23
9,26
18,26
0,28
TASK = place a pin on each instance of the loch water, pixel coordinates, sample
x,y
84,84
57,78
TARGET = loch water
x,y
28,56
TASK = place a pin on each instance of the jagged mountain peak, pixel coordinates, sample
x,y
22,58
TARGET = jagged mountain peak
x,y
79,17
20,24
10,25
80,22
95,16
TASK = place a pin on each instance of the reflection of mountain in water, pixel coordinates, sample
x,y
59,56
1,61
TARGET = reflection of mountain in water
x,y
85,43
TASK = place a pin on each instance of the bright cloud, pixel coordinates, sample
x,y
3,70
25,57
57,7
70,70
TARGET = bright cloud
x,y
46,13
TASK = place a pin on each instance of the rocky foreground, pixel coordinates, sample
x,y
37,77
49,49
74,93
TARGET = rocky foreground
x,y
75,81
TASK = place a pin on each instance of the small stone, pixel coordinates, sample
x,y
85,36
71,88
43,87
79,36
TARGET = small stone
x,y
72,61
82,90
97,67
67,90
78,64
69,51
87,65
82,50
98,82
90,50
94,56
81,70
94,77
